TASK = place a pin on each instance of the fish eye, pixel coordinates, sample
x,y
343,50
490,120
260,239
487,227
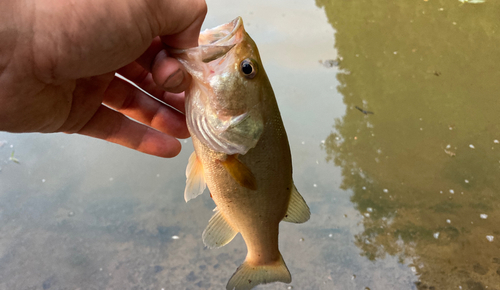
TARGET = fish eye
x,y
248,68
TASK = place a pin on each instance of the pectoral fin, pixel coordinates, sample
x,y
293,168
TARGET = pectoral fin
x,y
239,172
218,232
298,211
195,181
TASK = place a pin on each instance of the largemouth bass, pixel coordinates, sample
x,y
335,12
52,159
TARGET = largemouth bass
x,y
241,152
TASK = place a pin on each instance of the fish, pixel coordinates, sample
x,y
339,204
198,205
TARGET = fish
x,y
241,152
363,111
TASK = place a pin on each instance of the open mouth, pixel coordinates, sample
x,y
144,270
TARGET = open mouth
x,y
221,35
217,42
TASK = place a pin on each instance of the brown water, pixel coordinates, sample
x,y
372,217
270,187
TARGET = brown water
x,y
404,198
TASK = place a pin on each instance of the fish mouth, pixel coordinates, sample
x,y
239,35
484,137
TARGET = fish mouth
x,y
222,35
214,43
217,42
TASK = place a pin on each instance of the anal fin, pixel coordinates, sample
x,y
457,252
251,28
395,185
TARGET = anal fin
x,y
298,211
239,172
195,181
218,232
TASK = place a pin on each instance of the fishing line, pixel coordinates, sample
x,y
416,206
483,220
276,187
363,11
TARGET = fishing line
x,y
146,93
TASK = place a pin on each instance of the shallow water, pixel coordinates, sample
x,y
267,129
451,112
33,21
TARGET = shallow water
x,y
405,197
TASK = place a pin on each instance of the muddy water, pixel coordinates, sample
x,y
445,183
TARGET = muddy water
x,y
403,191
424,168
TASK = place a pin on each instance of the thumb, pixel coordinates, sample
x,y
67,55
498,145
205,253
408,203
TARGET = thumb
x,y
180,22
107,34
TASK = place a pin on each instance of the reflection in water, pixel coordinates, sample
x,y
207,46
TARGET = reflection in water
x,y
424,167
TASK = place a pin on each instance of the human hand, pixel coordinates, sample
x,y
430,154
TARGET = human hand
x,y
58,59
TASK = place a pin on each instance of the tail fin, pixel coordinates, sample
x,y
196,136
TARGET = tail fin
x,y
247,276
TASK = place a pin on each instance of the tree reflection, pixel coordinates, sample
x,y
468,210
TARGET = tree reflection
x,y
425,167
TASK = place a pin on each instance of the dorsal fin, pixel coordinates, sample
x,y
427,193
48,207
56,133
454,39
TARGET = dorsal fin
x,y
239,172
298,211
218,232
195,181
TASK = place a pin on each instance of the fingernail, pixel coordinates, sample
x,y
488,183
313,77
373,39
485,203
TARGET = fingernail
x,y
174,79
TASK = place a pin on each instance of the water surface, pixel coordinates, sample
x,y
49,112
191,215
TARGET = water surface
x,y
404,197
